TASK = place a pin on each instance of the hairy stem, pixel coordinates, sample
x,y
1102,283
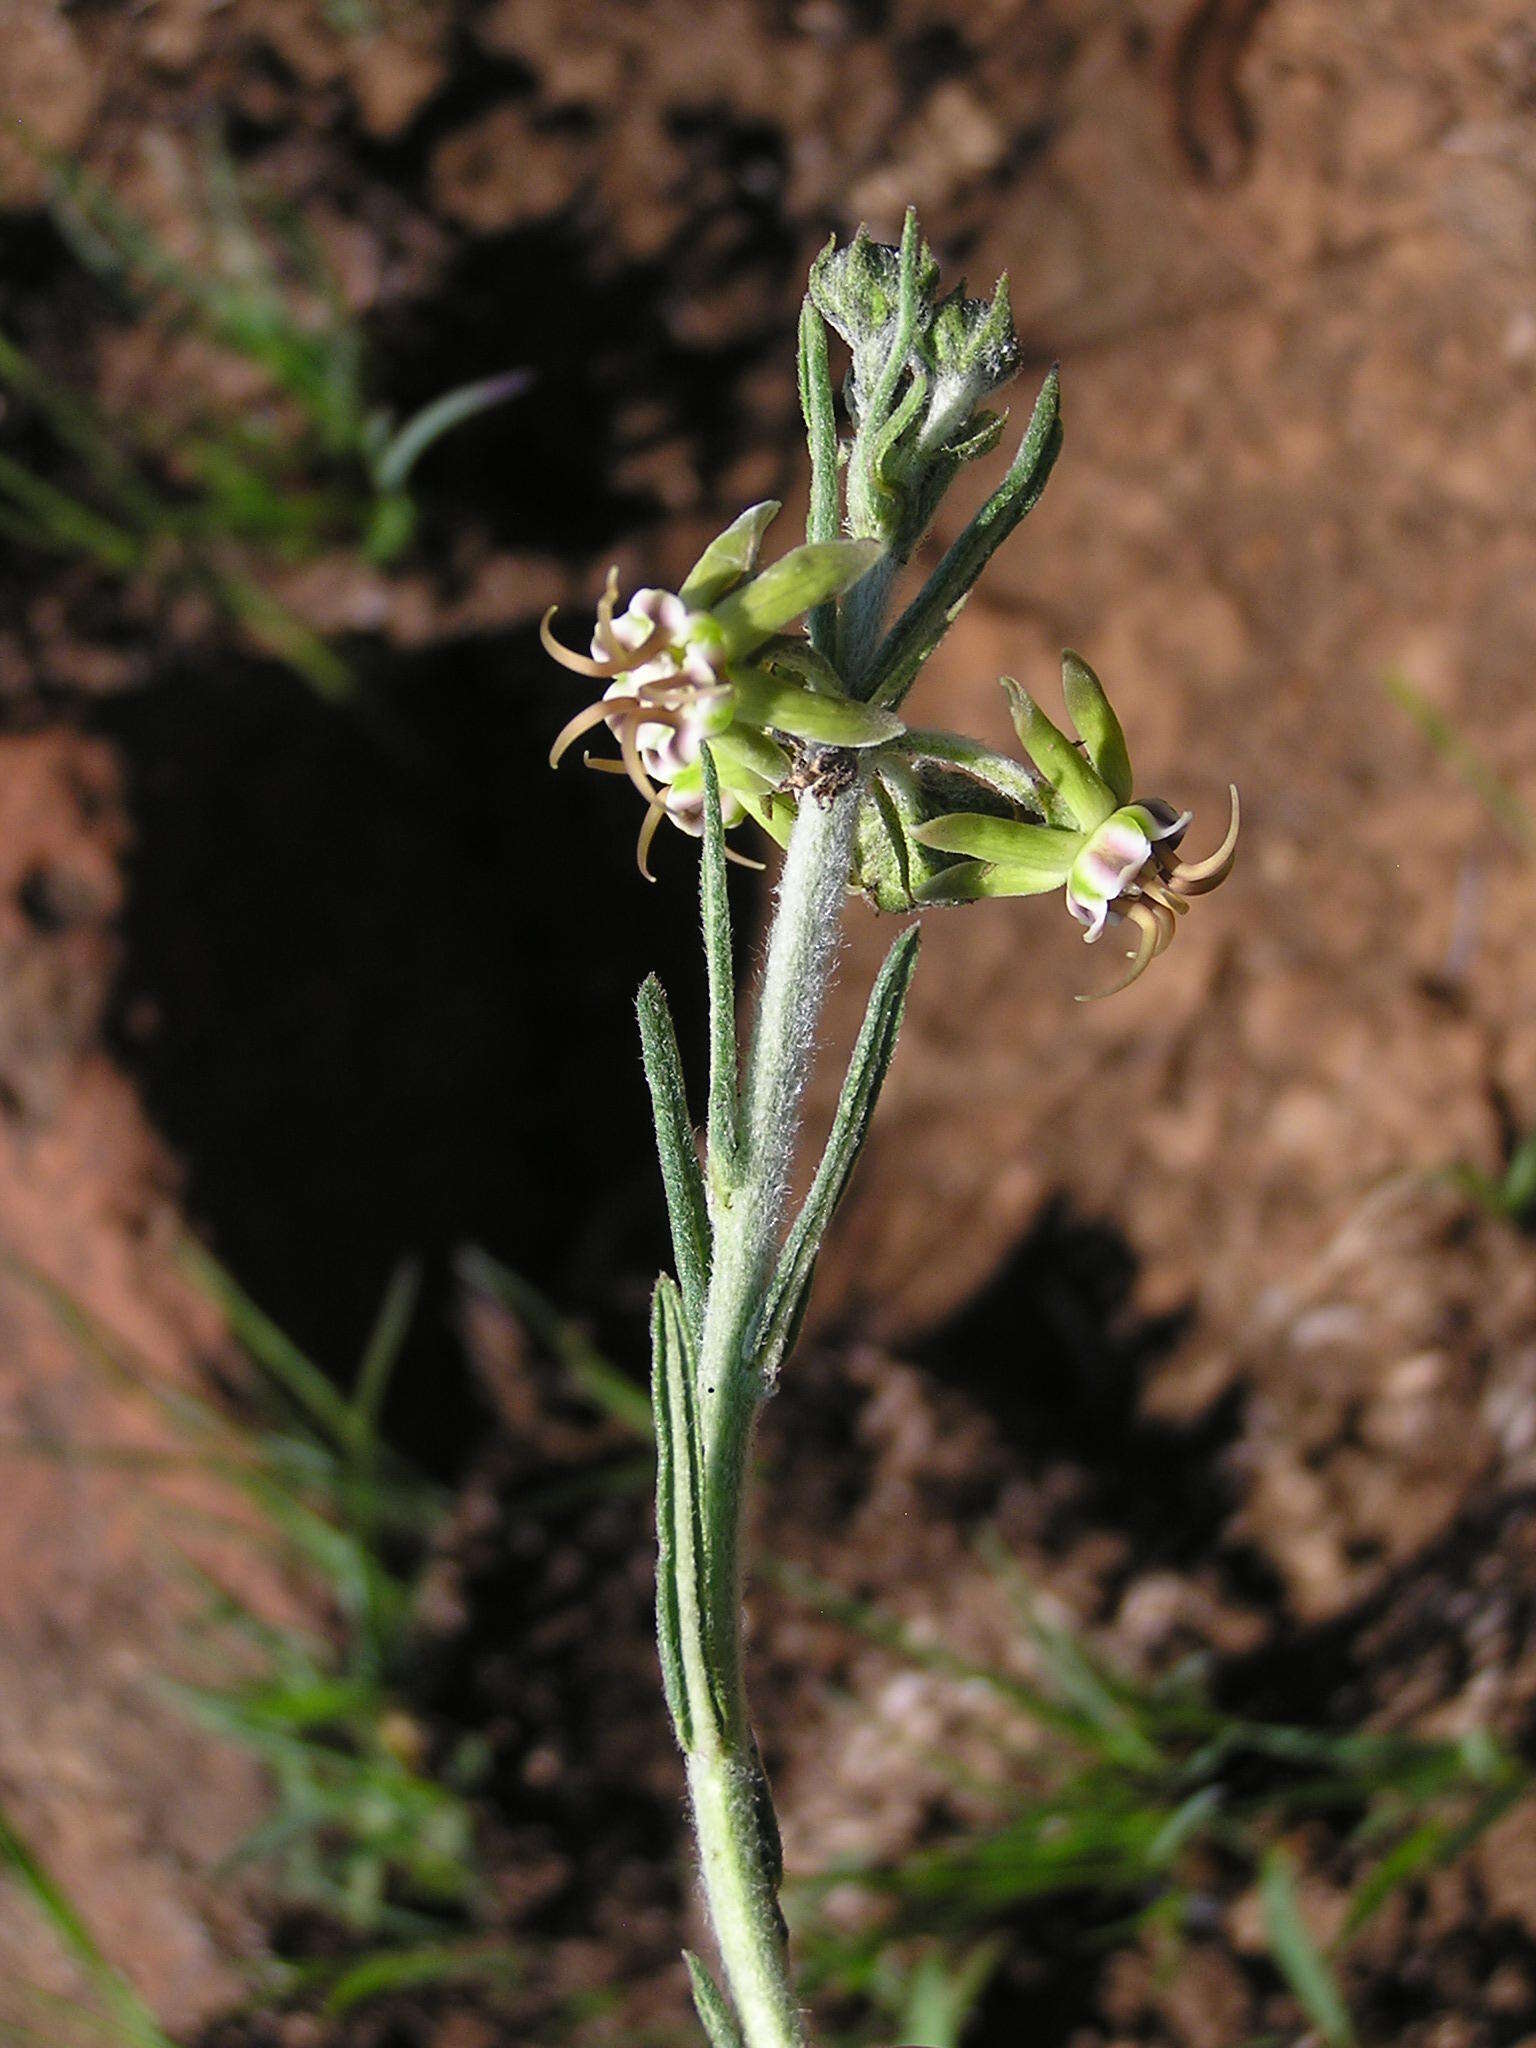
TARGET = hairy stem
x,y
736,1855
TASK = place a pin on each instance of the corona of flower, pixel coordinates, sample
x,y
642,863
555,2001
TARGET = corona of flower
x,y
712,662
1118,859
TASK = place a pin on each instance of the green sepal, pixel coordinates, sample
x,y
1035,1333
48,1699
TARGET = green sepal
x,y
796,583
1098,727
715,2016
973,881
791,655
784,1304
775,814
681,1176
729,557
748,761
1087,796
766,700
1042,851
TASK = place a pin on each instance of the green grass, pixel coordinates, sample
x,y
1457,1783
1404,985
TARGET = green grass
x,y
1131,1802
218,501
1510,1193
365,1826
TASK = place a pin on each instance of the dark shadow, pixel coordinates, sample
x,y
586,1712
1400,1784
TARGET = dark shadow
x,y
1055,1349
377,991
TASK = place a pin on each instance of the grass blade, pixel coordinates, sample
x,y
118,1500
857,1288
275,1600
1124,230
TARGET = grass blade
x,y
1297,1956
132,2016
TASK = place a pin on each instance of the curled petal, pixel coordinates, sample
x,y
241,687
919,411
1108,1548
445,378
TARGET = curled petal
x,y
1156,927
582,664
1198,878
648,829
629,748
595,714
1159,893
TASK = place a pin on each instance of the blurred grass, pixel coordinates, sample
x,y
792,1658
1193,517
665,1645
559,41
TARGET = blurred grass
x,y
1510,1193
1145,1806
368,1827
219,498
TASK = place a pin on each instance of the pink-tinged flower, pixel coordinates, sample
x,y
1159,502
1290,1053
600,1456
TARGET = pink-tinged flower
x,y
711,663
1118,859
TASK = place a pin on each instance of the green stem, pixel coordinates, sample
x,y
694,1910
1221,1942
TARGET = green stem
x,y
737,1862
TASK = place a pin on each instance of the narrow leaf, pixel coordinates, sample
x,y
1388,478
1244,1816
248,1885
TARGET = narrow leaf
x,y
765,699
819,408
724,1074
729,557
1297,1956
682,1597
714,2014
669,1640
931,613
1040,850
796,583
680,1175
784,1306
1094,716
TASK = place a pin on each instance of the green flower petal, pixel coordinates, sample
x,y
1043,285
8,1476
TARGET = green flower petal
x,y
796,583
729,557
1093,715
1039,851
1084,792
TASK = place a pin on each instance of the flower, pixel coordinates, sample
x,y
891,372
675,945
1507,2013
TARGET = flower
x,y
1117,858
711,663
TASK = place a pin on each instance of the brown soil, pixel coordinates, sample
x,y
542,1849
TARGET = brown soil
x,y
1169,1290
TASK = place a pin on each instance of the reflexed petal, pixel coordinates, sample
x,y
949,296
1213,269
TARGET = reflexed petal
x,y
1082,789
1093,715
1040,850
729,557
789,587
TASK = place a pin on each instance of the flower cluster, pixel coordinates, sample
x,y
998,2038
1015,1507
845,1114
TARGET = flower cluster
x,y
711,662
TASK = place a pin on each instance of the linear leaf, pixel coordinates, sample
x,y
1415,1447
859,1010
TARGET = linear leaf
x,y
714,903
784,1306
714,2014
931,613
680,1174
818,406
681,1561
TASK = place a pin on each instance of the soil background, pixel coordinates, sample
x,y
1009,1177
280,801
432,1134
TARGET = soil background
x,y
1173,1291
